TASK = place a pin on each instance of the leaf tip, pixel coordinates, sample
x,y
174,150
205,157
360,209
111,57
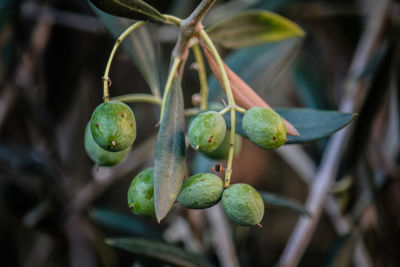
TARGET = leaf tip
x,y
300,32
109,241
159,217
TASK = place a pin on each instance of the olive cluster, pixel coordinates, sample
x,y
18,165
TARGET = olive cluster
x,y
111,132
208,134
241,202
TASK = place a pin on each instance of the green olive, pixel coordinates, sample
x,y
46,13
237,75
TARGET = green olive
x,y
222,152
243,204
113,126
201,191
141,193
207,131
100,156
264,127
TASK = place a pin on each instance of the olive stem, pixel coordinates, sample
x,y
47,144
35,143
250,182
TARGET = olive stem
x,y
225,110
151,99
231,102
202,77
189,112
240,109
134,98
172,73
106,79
175,20
189,28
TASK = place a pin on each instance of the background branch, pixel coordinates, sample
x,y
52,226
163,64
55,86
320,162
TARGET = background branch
x,y
354,96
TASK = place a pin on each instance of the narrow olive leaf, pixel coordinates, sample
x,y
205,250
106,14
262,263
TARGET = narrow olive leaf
x,y
252,28
243,94
117,221
226,10
138,46
229,8
312,124
169,162
132,9
284,202
158,250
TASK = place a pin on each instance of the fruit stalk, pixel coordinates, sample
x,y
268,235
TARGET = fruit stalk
x,y
106,79
231,102
134,98
202,77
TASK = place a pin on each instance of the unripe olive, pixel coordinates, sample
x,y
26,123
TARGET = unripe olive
x,y
264,127
212,106
141,193
113,126
201,191
222,152
100,156
243,204
207,131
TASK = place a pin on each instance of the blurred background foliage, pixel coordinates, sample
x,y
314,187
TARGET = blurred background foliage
x,y
57,209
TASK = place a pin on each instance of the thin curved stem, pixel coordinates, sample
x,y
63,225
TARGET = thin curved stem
x,y
106,79
231,102
172,73
189,112
202,77
151,99
135,98
175,20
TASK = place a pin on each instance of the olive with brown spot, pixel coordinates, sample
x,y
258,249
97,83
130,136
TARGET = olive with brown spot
x,y
113,126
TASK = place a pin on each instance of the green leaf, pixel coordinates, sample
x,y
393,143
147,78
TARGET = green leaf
x,y
123,223
138,46
284,202
169,162
157,250
253,28
312,124
132,9
229,8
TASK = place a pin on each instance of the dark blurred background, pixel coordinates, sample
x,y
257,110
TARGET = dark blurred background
x,y
57,208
